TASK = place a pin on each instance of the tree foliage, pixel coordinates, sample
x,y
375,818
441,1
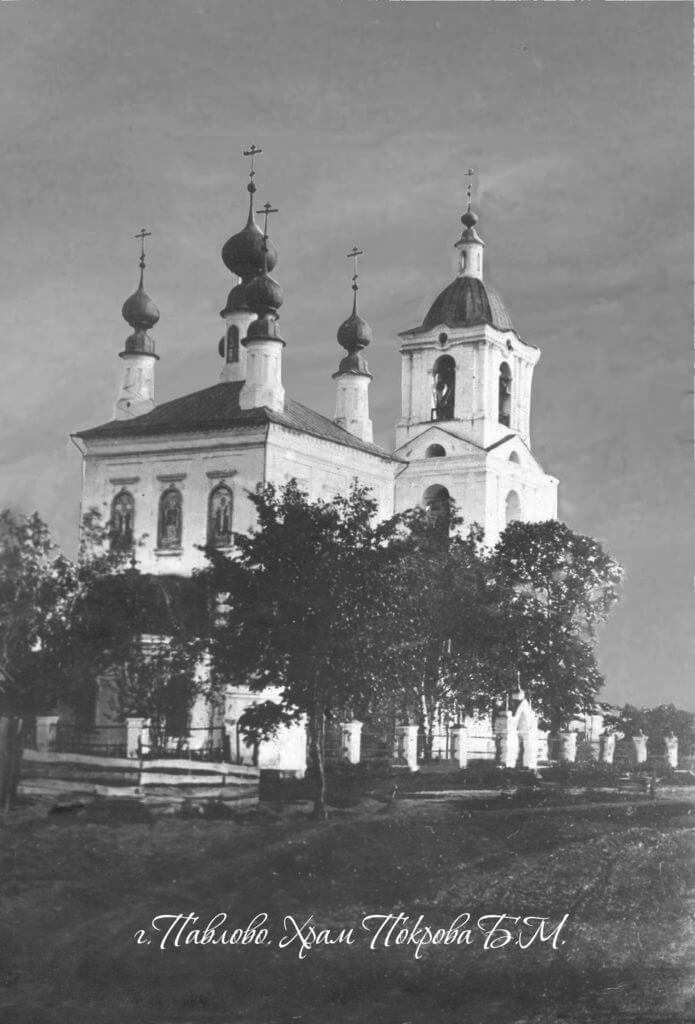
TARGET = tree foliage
x,y
300,601
561,587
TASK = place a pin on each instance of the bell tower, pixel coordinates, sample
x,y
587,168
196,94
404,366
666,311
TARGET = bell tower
x,y
466,392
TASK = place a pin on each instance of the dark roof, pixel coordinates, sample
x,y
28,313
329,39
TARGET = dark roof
x,y
217,408
467,302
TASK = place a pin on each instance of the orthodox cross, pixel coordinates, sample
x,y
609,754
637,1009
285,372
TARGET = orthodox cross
x,y
253,153
267,210
142,236
469,173
353,256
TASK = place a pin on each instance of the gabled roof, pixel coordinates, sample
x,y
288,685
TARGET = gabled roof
x,y
217,408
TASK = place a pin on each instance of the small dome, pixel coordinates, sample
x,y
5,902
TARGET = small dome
x,y
236,300
265,327
140,342
263,293
354,333
244,253
467,302
140,311
469,219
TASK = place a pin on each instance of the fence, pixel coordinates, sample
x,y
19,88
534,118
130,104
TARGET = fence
x,y
201,744
99,741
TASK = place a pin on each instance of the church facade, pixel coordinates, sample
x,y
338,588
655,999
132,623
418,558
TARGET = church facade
x,y
171,478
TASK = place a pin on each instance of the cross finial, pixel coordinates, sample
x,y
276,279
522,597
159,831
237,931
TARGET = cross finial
x,y
267,210
352,255
253,153
142,236
469,173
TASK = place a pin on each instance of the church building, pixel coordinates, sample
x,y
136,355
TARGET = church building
x,y
170,478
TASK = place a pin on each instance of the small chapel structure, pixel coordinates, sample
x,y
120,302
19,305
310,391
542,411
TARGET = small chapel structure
x,y
172,477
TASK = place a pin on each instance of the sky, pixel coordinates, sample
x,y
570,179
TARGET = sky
x,y
577,118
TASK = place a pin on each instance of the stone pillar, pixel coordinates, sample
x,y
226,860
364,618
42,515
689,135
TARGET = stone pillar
x,y
137,735
406,745
350,741
639,748
505,731
607,748
459,744
671,751
542,751
530,752
46,732
568,747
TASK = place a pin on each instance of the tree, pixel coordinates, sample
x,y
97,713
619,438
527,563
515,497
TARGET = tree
x,y
657,723
561,587
439,626
300,599
144,633
36,587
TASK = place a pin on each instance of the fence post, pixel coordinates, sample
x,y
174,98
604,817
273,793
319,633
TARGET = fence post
x,y
350,741
406,740
639,748
568,746
136,736
459,744
607,749
671,750
46,728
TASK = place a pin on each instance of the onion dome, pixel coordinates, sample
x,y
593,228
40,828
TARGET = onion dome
x,y
467,302
244,254
265,328
236,301
263,293
140,311
354,334
469,219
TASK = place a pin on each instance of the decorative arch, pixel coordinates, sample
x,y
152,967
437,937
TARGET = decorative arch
x,y
504,395
512,507
435,451
220,505
170,519
443,388
122,521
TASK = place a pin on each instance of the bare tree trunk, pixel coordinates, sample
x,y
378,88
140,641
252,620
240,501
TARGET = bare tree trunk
x,y
317,736
10,759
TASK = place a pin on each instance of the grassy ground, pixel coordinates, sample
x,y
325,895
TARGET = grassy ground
x,y
77,885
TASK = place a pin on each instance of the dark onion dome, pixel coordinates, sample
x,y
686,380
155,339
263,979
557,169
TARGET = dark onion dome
x,y
244,253
265,328
140,342
262,293
469,219
353,363
354,333
467,302
236,300
140,311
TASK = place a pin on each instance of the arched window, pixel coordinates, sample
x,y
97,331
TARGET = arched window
x,y
437,501
435,451
512,507
443,388
233,344
170,519
220,517
514,458
122,519
505,395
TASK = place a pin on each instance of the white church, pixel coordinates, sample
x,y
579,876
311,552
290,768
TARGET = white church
x,y
170,478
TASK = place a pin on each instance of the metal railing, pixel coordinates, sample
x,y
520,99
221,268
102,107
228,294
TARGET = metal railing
x,y
99,741
200,744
